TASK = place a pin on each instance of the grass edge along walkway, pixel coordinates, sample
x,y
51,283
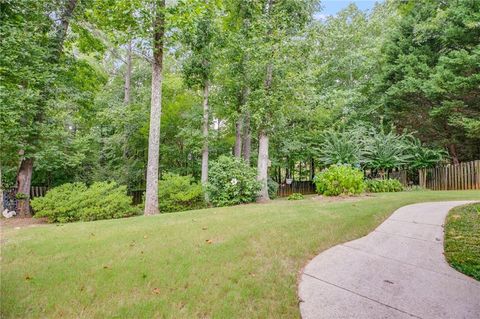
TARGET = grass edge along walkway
x,y
233,262
462,239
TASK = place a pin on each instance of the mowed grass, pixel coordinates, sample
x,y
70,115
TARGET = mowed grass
x,y
462,239
234,262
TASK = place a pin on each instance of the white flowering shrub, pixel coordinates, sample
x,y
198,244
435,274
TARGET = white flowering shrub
x,y
231,182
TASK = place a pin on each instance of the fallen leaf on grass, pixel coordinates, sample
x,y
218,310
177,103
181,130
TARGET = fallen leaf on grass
x,y
156,291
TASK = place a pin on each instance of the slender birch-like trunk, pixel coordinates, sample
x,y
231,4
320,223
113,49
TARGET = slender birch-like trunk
x,y
262,167
151,194
237,149
204,177
246,138
128,74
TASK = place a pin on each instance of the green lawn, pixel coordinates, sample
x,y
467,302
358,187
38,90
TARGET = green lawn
x,y
462,239
235,262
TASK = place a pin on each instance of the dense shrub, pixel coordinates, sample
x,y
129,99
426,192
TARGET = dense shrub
x,y
340,179
178,193
295,196
231,181
383,185
73,202
272,188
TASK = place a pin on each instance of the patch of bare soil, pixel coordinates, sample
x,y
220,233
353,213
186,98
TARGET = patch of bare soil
x,y
341,198
19,222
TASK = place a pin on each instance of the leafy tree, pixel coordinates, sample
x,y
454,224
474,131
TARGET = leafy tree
x,y
429,79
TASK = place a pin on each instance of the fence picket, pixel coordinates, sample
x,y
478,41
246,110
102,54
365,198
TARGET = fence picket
x,y
461,176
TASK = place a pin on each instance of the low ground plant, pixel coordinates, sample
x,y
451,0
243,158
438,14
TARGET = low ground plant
x,y
383,185
295,196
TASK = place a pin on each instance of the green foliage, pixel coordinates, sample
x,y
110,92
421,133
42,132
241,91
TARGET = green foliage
x,y
385,151
429,81
341,147
340,180
231,181
383,185
272,188
179,193
21,196
423,157
74,202
295,196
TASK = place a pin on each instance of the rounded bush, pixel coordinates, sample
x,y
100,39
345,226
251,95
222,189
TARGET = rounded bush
x,y
340,180
74,202
179,193
231,181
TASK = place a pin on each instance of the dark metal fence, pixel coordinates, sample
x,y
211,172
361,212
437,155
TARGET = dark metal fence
x,y
10,196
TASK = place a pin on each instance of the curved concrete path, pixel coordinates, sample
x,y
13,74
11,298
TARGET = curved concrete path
x,y
397,271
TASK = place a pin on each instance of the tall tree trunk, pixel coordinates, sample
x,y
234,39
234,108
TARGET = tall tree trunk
x,y
262,164
151,195
262,167
128,74
62,28
452,150
24,179
246,138
237,149
204,177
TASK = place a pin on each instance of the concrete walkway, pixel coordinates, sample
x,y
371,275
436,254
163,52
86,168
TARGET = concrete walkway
x,y
397,271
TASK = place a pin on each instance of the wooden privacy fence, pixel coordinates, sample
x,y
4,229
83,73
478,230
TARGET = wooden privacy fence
x,y
451,177
137,196
302,187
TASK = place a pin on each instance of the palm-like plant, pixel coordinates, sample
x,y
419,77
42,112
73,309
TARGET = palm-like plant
x,y
386,151
343,147
422,157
